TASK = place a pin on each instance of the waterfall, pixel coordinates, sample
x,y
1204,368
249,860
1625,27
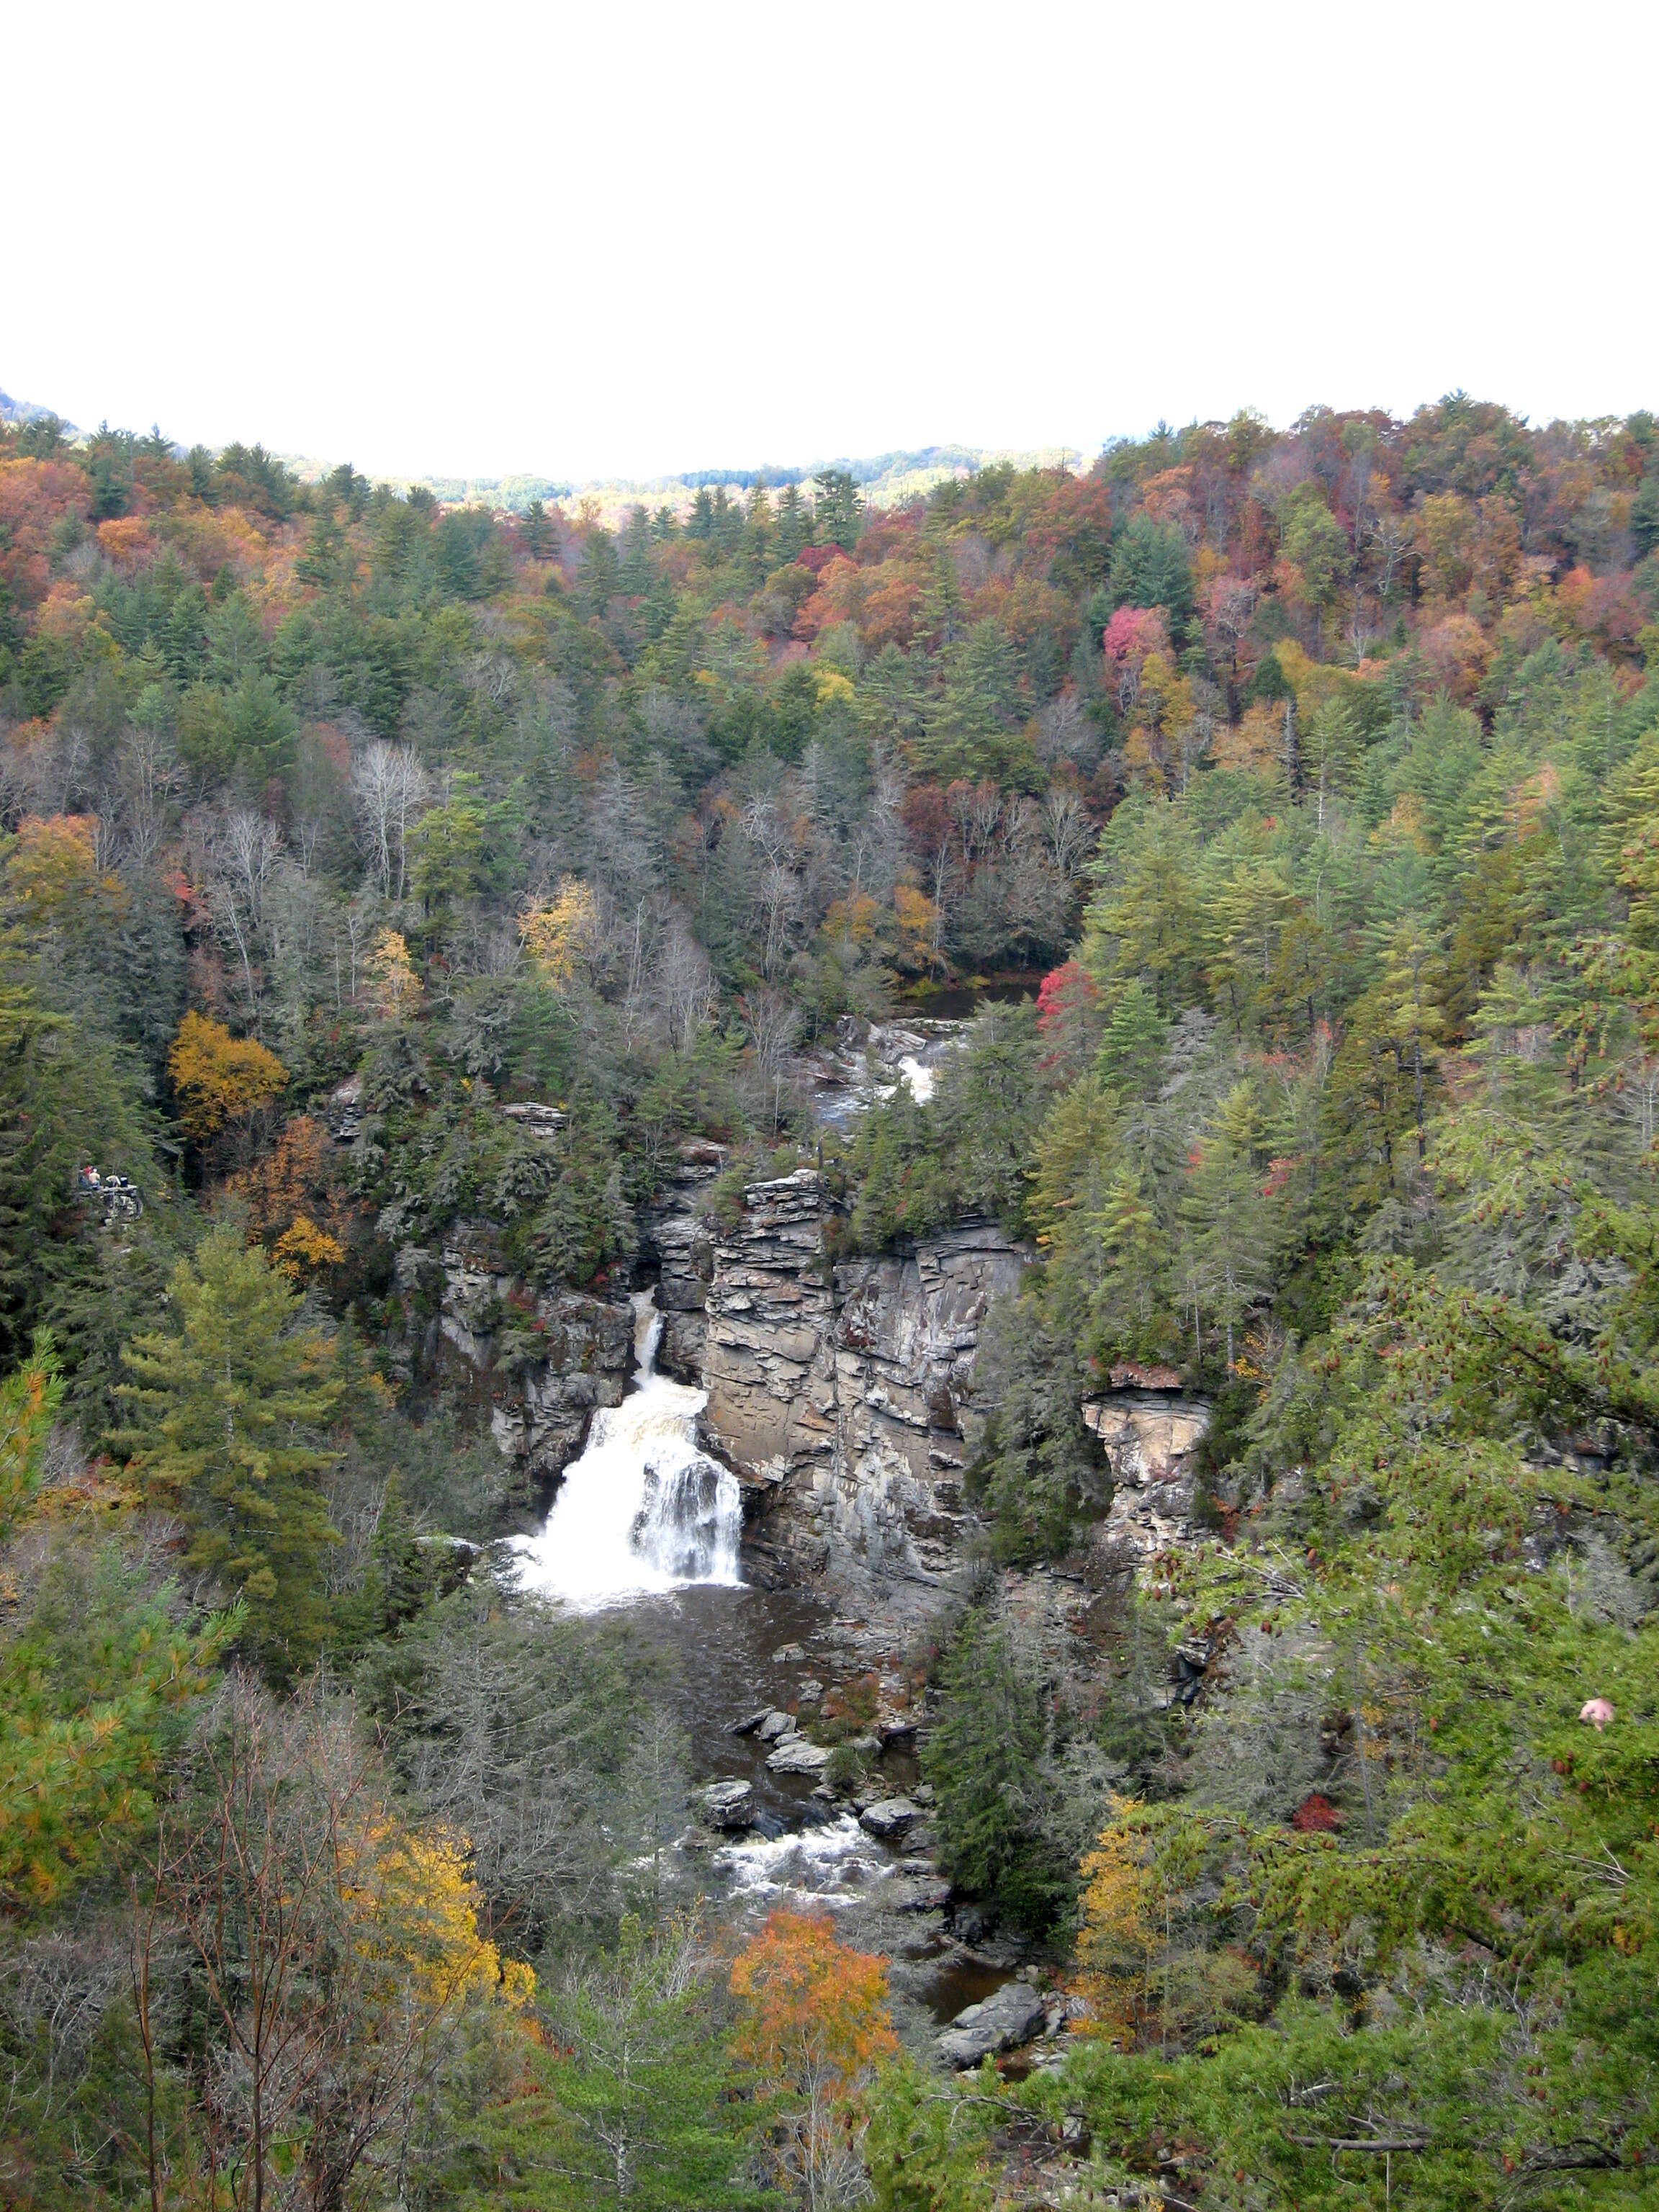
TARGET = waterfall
x,y
642,1510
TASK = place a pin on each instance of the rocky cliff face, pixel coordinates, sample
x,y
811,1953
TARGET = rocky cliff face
x,y
768,1362
680,1245
846,1397
1151,1438
540,1361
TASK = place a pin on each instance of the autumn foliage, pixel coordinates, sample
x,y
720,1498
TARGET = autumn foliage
x,y
812,2008
561,934
814,2023
219,1078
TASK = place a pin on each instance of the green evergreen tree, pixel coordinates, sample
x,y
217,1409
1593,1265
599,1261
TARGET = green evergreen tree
x,y
1228,1219
985,1760
840,508
227,1414
1132,1050
631,2102
536,530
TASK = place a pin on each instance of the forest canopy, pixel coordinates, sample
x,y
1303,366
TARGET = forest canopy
x,y
1300,789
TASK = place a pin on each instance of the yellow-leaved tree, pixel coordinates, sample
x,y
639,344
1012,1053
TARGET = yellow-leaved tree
x,y
1148,1973
562,935
218,1078
303,1249
344,1972
396,987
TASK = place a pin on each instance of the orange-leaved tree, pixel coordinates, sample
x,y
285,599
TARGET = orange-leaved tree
x,y
814,2021
219,1078
297,1202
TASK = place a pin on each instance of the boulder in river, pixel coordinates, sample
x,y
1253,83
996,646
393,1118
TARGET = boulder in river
x,y
728,1804
775,1725
787,1654
750,1723
794,1755
889,1817
1008,2017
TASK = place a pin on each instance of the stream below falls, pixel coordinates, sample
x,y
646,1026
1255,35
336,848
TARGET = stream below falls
x,y
646,1525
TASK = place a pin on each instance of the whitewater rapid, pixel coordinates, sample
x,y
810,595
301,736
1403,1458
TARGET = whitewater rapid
x,y
642,1510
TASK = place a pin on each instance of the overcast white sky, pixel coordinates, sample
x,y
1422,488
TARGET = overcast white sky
x,y
617,239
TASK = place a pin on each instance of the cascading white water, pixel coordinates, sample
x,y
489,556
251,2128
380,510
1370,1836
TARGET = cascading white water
x,y
642,1510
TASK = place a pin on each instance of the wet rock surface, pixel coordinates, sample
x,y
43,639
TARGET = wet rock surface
x,y
889,1817
727,1804
535,1363
796,1755
678,1243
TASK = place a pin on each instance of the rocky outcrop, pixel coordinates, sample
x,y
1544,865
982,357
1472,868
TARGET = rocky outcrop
x,y
542,1408
678,1243
1008,2017
795,1755
768,1363
1151,1438
889,1817
847,1394
727,1805
908,1418
543,1360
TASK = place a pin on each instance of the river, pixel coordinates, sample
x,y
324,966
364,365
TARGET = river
x,y
647,1526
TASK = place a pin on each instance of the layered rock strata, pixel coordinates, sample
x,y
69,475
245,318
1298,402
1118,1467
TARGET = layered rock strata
x,y
847,1394
678,1243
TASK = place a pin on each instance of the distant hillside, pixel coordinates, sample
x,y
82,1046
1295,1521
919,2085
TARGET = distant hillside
x,y
25,410
888,480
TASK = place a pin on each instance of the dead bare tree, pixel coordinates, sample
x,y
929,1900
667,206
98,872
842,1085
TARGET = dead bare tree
x,y
388,795
1390,542
234,857
685,985
249,1872
774,1024
1067,829
151,781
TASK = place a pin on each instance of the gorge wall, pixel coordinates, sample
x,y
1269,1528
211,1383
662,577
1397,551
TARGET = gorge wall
x,y
843,1395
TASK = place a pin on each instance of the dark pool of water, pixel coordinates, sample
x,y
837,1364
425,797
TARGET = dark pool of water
x,y
952,1987
961,1002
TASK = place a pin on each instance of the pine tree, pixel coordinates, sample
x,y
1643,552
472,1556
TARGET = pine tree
x,y
537,532
1132,1050
985,1758
794,524
1134,1259
1228,1219
226,1413
632,2105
